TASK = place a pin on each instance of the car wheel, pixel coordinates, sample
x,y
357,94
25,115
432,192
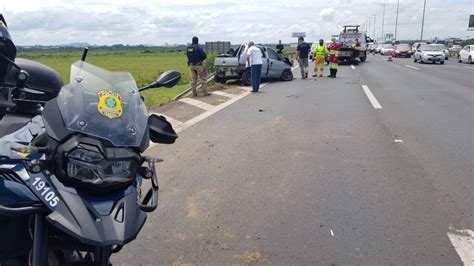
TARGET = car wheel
x,y
421,61
246,77
219,79
442,62
459,59
469,60
414,59
287,75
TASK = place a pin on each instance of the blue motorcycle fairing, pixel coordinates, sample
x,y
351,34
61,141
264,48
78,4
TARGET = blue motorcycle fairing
x,y
114,220
14,194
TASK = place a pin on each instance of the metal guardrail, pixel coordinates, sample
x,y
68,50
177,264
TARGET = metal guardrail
x,y
209,78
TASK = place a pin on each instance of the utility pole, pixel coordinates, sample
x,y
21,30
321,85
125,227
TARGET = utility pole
x,y
423,21
383,19
368,20
396,21
375,17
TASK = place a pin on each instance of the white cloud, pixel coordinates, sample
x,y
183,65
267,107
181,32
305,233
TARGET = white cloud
x,y
160,21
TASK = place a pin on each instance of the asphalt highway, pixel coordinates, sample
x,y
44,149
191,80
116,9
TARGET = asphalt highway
x,y
316,172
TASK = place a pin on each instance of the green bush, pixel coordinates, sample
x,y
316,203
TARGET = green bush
x,y
467,42
209,63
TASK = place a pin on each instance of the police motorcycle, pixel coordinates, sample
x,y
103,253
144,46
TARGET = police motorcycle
x,y
71,178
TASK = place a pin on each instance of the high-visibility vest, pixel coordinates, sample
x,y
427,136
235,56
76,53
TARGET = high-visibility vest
x,y
321,51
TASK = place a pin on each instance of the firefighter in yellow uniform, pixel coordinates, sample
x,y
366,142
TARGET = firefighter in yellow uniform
x,y
333,58
320,55
356,47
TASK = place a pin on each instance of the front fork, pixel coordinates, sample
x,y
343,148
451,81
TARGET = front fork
x,y
40,241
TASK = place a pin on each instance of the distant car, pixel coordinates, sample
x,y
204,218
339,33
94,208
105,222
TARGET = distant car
x,y
378,48
444,49
415,45
386,49
402,50
429,53
455,49
371,48
466,54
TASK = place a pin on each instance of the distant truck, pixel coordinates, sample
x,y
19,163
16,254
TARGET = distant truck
x,y
232,65
347,38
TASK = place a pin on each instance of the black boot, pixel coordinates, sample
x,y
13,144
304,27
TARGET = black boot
x,y
335,72
330,72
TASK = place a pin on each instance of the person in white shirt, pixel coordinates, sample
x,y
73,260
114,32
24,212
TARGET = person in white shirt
x,y
254,59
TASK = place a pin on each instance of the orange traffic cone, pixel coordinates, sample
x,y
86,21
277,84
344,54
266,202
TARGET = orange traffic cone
x,y
389,58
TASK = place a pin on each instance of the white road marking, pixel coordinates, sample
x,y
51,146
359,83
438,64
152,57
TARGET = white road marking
x,y
398,141
197,103
206,114
371,97
469,67
353,67
332,233
412,67
224,94
463,243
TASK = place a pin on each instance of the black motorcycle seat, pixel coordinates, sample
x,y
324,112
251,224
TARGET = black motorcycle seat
x,y
12,122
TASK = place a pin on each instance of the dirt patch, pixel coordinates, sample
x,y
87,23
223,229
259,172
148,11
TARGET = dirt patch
x,y
254,257
228,234
193,210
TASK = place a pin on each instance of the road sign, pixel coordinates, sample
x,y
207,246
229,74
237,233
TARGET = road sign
x,y
298,34
471,22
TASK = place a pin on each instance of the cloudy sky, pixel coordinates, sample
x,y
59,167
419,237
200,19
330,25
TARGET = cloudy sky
x,y
157,22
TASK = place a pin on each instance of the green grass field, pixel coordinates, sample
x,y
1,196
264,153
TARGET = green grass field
x,y
145,67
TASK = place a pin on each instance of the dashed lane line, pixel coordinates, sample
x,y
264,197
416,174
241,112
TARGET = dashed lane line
x,y
412,67
469,67
371,97
353,67
197,103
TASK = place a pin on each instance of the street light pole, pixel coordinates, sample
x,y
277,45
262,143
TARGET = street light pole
x,y
375,17
423,21
383,19
368,31
396,21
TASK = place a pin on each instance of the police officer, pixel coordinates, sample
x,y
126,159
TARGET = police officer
x,y
196,57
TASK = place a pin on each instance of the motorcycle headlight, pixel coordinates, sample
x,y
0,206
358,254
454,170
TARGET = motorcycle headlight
x,y
92,168
88,164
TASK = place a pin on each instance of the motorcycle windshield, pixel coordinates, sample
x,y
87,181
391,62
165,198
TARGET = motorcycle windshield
x,y
103,104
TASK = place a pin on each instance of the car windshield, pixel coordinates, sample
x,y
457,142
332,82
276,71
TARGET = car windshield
x,y
403,46
430,48
103,104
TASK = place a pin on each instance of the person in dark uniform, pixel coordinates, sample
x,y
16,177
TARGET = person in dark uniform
x,y
196,57
279,49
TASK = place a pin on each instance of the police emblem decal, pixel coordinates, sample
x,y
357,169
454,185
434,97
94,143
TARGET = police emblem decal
x,y
110,104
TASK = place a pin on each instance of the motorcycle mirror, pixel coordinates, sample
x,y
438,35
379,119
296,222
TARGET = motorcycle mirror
x,y
167,79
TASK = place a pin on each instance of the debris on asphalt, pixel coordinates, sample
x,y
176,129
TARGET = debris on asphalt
x,y
260,110
332,233
252,257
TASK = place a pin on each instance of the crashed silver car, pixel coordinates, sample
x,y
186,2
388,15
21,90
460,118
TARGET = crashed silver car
x,y
232,65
